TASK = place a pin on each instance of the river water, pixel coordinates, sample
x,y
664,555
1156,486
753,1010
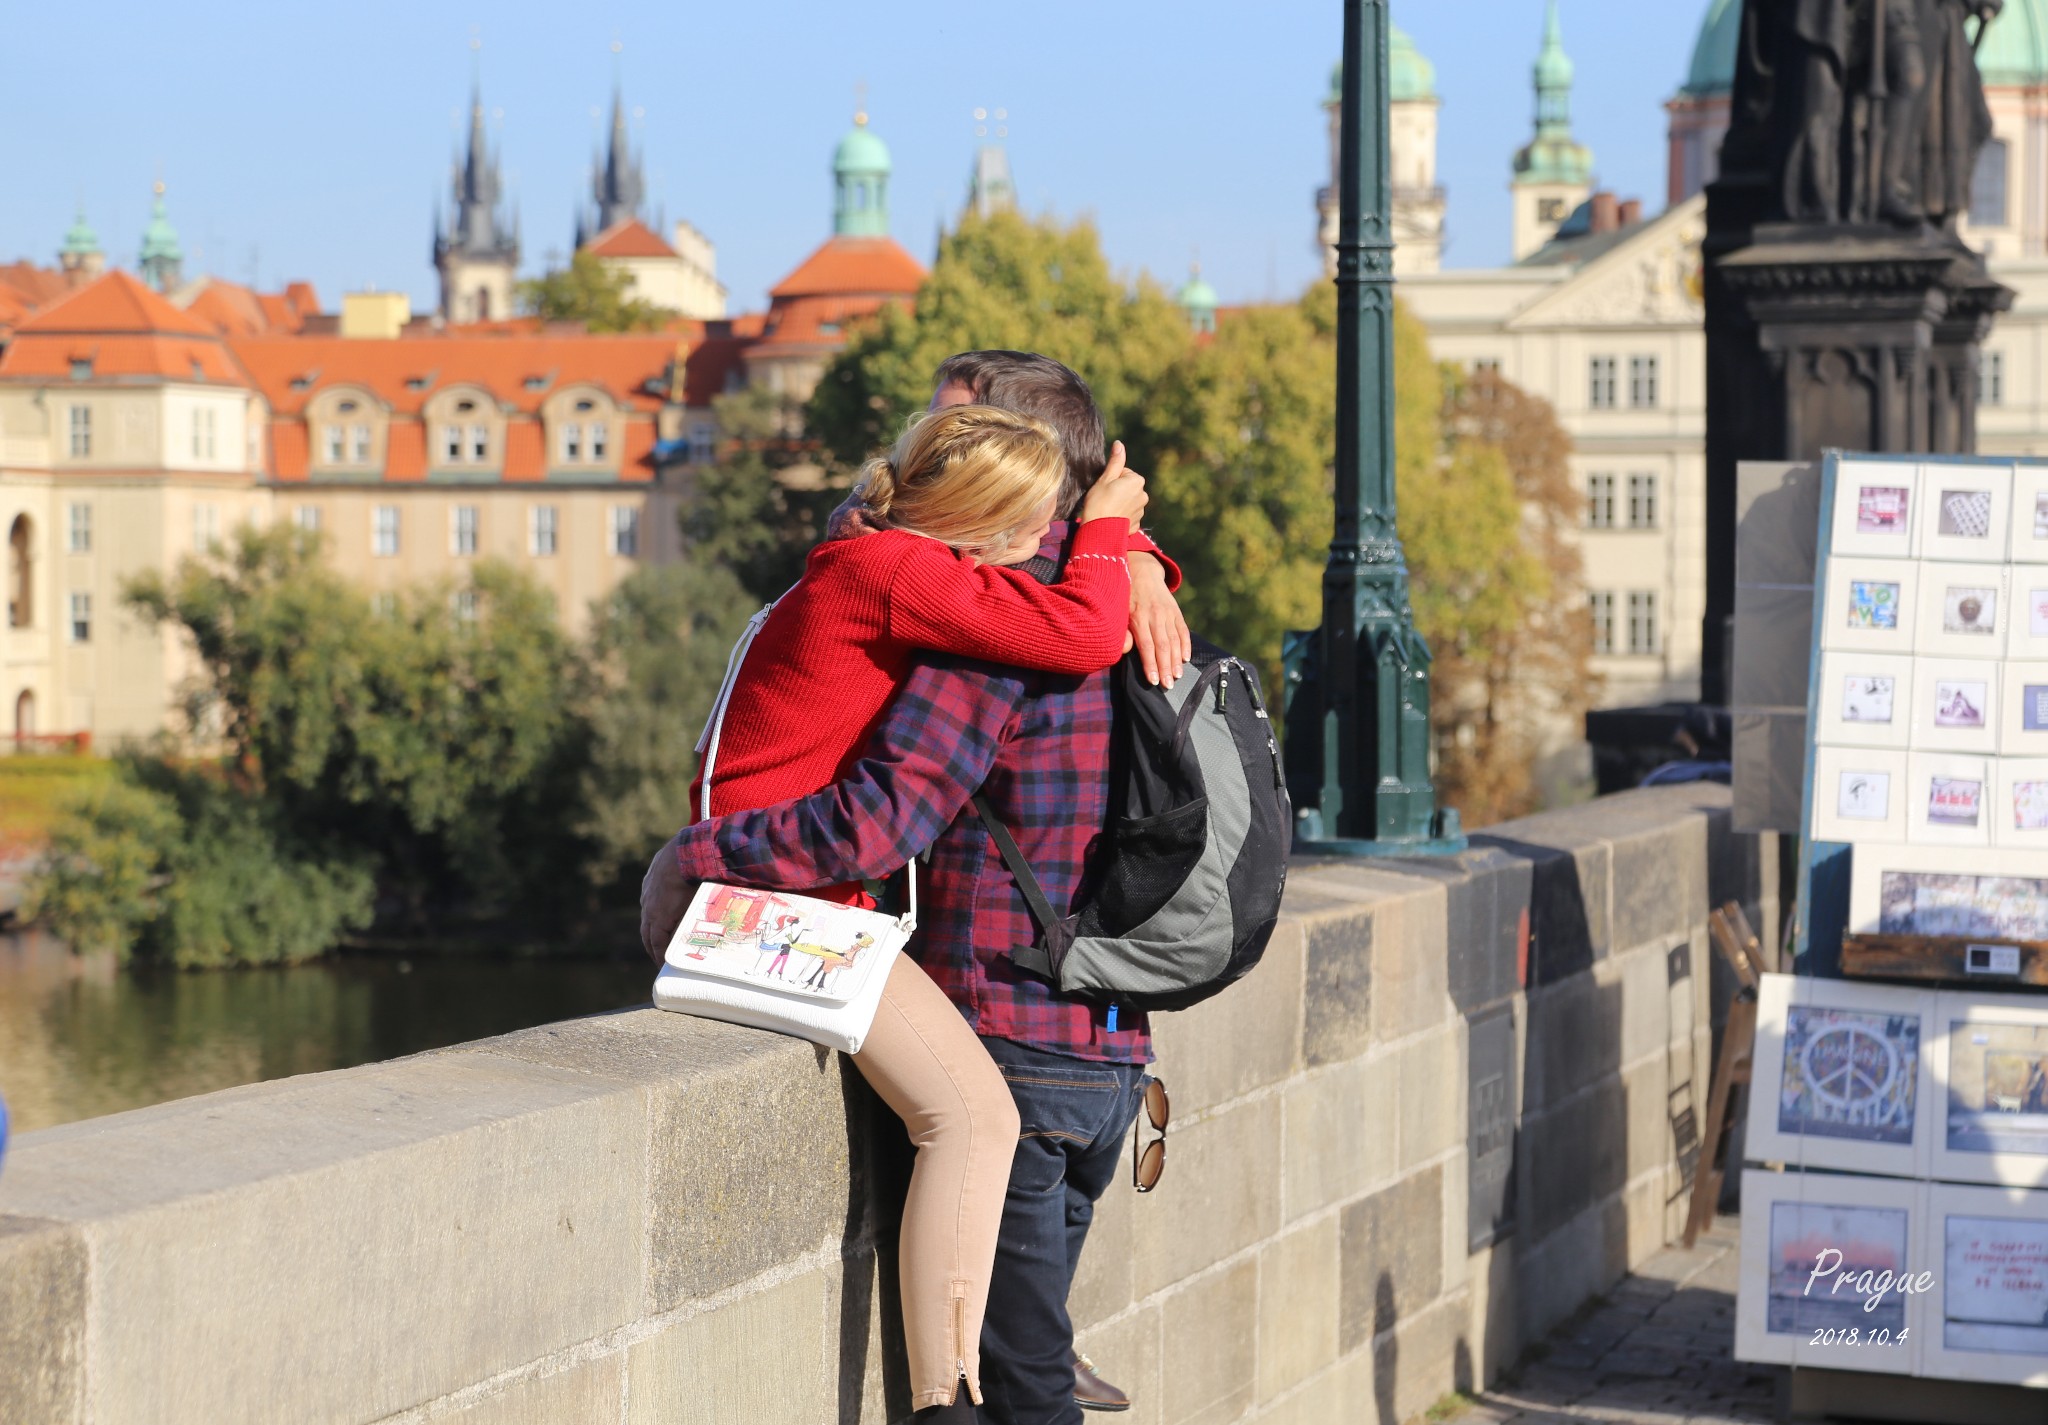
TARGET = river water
x,y
79,1038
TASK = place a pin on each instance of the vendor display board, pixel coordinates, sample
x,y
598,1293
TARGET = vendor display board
x,y
1926,805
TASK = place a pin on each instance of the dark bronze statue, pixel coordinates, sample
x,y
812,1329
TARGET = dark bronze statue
x,y
1863,111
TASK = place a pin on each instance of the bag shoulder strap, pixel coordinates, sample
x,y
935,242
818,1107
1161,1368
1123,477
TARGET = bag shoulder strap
x,y
1031,957
707,740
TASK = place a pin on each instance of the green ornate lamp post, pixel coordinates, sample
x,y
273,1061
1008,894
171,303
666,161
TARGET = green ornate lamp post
x,y
1358,687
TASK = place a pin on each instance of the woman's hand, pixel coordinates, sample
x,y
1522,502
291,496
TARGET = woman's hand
x,y
1120,493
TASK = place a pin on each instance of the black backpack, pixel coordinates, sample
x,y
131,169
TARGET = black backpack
x,y
1184,895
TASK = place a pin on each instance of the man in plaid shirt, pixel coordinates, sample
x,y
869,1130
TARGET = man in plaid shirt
x,y
1036,746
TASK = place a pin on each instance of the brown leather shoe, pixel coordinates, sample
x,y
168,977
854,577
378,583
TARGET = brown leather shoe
x,y
1092,1392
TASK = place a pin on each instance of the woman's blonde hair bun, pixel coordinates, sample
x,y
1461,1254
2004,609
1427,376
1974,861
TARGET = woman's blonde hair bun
x,y
974,477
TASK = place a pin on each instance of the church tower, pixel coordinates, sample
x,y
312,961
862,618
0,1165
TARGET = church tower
x,y
617,186
989,187
1553,172
162,263
477,254
1411,137
860,183
81,257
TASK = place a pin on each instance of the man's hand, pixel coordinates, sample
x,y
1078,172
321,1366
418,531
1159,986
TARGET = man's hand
x,y
665,895
1158,631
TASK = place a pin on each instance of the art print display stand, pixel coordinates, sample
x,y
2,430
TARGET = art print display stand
x,y
1896,1221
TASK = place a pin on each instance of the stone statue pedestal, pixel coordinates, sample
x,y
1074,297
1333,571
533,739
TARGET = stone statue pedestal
x,y
1822,336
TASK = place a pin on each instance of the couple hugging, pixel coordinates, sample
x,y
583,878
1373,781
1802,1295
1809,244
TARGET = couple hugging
x,y
914,666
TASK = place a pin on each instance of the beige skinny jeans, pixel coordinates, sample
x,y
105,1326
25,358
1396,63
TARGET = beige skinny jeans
x,y
929,1067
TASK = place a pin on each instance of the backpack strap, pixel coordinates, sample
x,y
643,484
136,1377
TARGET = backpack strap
x,y
1035,957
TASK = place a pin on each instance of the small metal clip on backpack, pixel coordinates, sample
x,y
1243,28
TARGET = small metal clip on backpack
x,y
1187,890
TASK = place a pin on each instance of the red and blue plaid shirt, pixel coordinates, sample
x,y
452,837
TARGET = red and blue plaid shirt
x,y
1037,746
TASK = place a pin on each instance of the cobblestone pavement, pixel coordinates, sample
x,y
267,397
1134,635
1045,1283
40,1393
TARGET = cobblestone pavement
x,y
1658,1348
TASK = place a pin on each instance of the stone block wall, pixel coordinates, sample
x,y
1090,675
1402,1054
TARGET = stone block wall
x,y
1449,1107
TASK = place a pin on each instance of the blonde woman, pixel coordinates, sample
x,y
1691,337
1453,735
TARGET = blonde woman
x,y
967,492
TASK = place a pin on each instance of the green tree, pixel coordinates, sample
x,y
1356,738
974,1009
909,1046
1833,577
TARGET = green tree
x,y
100,877
1006,281
762,506
658,652
591,291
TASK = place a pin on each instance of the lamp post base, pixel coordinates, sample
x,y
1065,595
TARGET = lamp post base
x,y
1446,838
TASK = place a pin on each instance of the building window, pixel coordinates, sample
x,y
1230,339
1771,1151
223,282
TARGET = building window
x,y
359,444
600,439
540,530
81,529
384,603
479,443
331,438
1599,502
202,434
1642,382
1600,383
81,618
626,531
1642,502
1550,210
81,432
1991,377
451,444
463,604
1602,604
462,524
205,527
1987,186
1642,621
307,517
703,443
384,531
81,368
1486,366
572,442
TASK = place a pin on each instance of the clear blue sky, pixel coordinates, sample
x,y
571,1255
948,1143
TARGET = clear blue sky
x,y
303,141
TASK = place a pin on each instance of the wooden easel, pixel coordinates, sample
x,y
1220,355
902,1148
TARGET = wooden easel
x,y
1744,953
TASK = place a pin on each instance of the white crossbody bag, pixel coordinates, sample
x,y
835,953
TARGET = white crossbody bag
x,y
772,959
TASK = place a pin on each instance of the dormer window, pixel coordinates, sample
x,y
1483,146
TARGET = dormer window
x,y
572,442
346,431
81,368
599,440
359,443
479,443
330,439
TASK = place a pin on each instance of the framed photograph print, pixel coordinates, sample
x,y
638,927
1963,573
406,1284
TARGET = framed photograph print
x,y
1991,1072
1955,705
1962,611
2023,712
2027,625
1968,512
2029,515
1875,501
1865,700
1840,1077
1988,893
1987,1317
1948,799
1859,794
1869,605
1831,1268
2019,815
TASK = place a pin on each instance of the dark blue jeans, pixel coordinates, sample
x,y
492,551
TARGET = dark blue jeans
x,y
1076,1114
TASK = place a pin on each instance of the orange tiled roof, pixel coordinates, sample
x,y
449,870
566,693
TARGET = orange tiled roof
x,y
853,266
822,323
35,286
123,329
629,237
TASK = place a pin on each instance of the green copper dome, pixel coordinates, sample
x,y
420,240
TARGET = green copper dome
x,y
1410,77
79,239
2015,49
1713,53
861,151
1553,65
1198,299
160,239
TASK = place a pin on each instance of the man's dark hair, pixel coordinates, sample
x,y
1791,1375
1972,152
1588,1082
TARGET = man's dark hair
x,y
1037,386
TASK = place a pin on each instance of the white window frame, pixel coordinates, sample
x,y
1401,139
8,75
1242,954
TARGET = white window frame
x,y
464,522
385,533
543,531
1600,501
78,528
203,446
1642,383
331,441
80,622
1643,634
1601,382
572,442
600,440
205,527
703,443
1601,602
479,444
307,518
81,433
462,603
359,443
451,445
625,531
1642,499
